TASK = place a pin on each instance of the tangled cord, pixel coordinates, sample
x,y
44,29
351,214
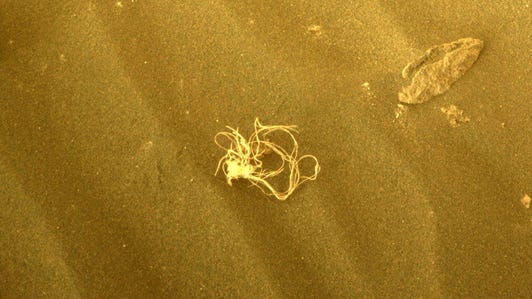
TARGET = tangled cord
x,y
243,159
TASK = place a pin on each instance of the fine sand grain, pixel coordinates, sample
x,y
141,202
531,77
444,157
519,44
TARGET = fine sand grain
x,y
107,114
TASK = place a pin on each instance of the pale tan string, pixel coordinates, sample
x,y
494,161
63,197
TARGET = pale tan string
x,y
243,159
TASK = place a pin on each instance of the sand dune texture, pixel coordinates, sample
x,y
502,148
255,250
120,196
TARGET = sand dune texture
x,y
108,112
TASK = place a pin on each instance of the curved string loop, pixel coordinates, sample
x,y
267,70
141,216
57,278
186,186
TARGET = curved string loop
x,y
243,158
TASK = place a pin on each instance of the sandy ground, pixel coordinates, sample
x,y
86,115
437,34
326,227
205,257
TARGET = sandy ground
x,y
108,112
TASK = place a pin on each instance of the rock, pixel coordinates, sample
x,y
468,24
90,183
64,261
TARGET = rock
x,y
438,69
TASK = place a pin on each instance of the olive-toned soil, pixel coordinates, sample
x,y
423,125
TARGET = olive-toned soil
x,y
108,112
